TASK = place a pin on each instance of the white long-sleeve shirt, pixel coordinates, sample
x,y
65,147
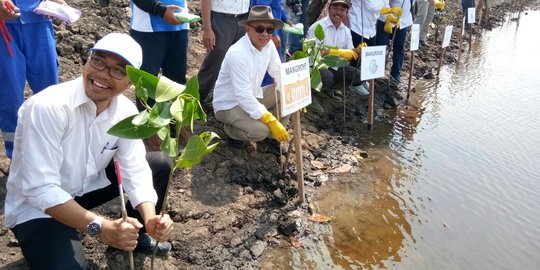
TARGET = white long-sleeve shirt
x,y
339,37
62,149
406,18
363,16
241,75
230,6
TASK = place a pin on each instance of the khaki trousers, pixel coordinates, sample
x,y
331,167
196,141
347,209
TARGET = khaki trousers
x,y
240,126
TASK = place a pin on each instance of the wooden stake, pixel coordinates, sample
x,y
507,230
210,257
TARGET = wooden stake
x,y
460,42
123,206
344,94
440,62
370,102
298,156
410,75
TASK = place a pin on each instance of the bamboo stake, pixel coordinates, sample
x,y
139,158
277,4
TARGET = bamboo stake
x,y
370,102
123,207
440,62
344,86
410,74
298,156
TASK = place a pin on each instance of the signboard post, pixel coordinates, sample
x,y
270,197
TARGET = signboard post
x,y
296,94
373,65
445,43
415,40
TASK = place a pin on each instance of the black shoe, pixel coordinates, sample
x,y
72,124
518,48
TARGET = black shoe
x,y
235,143
146,244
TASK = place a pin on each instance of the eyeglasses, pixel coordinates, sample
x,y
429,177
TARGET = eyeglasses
x,y
98,64
259,29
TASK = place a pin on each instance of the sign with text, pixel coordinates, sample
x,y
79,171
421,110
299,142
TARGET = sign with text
x,y
373,61
415,37
471,15
447,36
295,86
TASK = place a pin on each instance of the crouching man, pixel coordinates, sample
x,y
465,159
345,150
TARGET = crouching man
x,y
239,101
62,166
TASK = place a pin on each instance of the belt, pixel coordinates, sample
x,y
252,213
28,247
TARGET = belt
x,y
230,14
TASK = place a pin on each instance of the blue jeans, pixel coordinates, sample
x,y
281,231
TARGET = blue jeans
x,y
398,46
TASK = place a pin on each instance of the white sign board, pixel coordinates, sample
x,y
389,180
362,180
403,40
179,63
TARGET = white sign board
x,y
471,15
415,37
373,61
447,36
295,86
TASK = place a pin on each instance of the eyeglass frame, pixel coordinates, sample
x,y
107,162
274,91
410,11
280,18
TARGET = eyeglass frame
x,y
110,69
261,29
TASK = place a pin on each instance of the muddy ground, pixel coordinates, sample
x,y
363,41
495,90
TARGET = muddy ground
x,y
238,203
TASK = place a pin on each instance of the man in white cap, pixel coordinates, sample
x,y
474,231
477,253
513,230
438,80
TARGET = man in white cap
x,y
62,166
240,103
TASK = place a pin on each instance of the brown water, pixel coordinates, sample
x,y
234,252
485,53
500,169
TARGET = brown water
x,y
454,183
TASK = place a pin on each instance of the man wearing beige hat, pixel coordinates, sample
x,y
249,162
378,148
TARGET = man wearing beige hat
x,y
240,103
62,166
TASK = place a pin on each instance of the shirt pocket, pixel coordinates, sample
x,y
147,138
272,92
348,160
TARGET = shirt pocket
x,y
105,157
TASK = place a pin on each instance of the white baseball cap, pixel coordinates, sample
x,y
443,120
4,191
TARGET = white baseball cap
x,y
122,45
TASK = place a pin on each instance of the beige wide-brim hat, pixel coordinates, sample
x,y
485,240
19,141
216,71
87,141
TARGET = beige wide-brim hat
x,y
262,14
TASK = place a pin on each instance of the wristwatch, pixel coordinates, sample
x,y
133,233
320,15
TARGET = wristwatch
x,y
94,228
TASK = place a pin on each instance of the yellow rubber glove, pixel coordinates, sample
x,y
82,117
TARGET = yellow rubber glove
x,y
360,46
391,19
388,27
439,5
396,10
275,127
347,54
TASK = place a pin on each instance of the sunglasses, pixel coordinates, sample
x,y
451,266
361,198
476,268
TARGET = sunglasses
x,y
260,29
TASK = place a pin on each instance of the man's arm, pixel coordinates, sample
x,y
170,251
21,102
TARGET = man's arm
x,y
209,38
8,10
155,7
119,234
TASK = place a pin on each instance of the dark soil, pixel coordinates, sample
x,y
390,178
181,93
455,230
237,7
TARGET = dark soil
x,y
236,204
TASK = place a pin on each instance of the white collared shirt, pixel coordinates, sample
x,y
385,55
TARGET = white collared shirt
x,y
406,18
230,6
241,75
62,149
339,37
363,16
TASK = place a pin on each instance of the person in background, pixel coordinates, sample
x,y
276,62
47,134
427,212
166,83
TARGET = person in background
x,y
336,34
363,17
423,17
466,4
220,22
298,14
164,41
400,23
63,166
240,103
27,54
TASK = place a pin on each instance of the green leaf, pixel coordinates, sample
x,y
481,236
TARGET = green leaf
x,y
148,81
141,92
169,146
141,118
307,44
164,132
316,82
192,88
126,129
167,89
177,109
335,61
195,150
299,55
156,118
319,32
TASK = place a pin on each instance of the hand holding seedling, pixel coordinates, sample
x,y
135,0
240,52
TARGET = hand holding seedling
x,y
160,227
119,234
169,16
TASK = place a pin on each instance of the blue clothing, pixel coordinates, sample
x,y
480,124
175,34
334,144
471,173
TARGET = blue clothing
x,y
164,45
144,21
398,56
34,60
295,43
